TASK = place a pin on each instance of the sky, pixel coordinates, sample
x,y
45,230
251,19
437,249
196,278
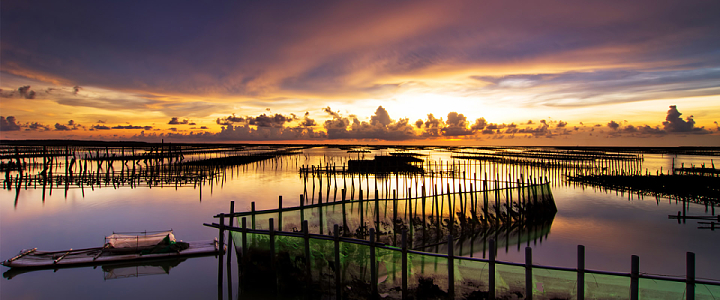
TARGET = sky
x,y
585,73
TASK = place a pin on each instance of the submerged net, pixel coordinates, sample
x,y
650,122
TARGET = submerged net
x,y
293,260
510,213
291,267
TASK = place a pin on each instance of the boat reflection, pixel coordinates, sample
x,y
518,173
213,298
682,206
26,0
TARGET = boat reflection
x,y
115,270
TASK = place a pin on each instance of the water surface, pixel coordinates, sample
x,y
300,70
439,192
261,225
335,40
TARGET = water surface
x,y
611,225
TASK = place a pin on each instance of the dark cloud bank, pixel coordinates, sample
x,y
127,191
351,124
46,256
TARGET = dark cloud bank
x,y
673,124
381,127
11,124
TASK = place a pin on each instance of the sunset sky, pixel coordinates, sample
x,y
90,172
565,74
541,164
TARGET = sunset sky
x,y
391,72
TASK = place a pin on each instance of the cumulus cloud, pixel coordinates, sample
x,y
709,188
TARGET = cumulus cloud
x,y
307,122
8,124
11,124
542,130
71,125
132,127
380,127
35,126
265,120
646,129
176,121
613,125
229,120
636,131
432,126
479,125
381,116
60,127
26,93
334,115
673,122
22,92
493,128
277,120
242,132
456,125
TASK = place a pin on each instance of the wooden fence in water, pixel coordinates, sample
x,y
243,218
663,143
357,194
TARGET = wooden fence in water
x,y
400,248
324,264
328,264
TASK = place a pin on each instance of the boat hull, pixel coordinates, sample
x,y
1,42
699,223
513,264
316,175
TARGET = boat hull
x,y
94,256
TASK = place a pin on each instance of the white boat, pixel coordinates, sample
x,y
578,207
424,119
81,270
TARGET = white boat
x,y
119,247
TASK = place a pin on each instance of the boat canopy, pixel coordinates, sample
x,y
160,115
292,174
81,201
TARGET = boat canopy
x,y
140,240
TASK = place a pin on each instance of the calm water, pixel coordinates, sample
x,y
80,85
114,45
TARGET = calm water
x,y
611,226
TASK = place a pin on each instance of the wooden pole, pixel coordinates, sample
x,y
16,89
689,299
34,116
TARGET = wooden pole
x,y
690,276
404,265
373,266
222,245
338,272
528,273
485,199
344,214
395,206
451,268
244,239
581,272
491,279
377,210
362,213
230,240
252,216
410,214
302,208
308,258
635,278
451,209
438,213
280,206
423,208
320,218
